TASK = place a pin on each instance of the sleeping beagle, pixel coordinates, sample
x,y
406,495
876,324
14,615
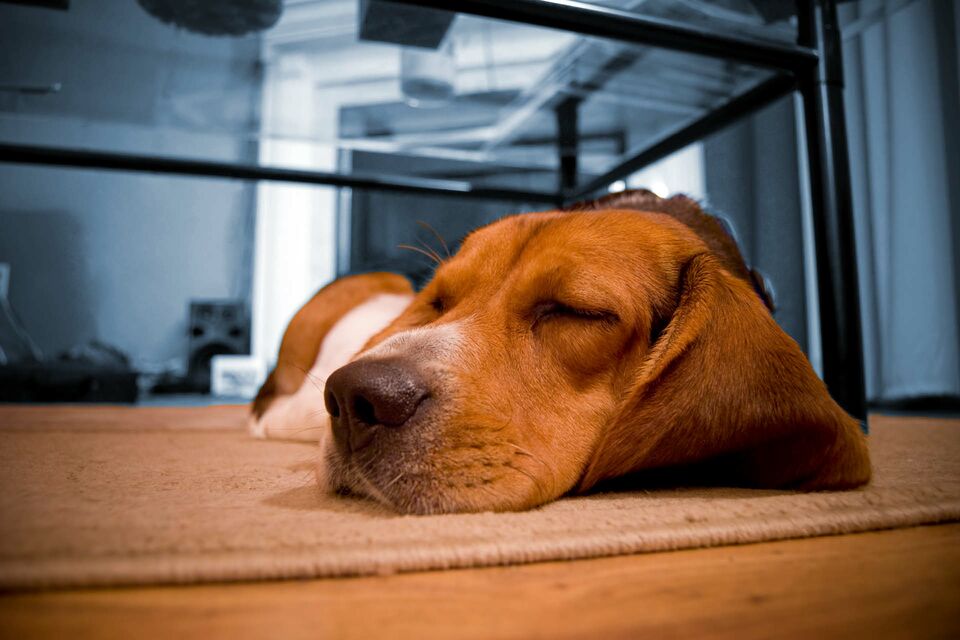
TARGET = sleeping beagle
x,y
553,352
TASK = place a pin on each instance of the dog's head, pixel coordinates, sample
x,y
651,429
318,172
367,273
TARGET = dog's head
x,y
560,349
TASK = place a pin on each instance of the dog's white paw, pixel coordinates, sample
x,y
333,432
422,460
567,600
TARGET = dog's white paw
x,y
256,427
295,417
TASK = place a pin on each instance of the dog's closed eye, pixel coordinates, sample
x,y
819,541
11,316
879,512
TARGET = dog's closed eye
x,y
555,310
579,337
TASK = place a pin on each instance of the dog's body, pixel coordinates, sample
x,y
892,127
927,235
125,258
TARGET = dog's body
x,y
555,351
324,335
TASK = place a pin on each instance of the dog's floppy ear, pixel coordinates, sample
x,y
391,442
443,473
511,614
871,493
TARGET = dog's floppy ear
x,y
723,385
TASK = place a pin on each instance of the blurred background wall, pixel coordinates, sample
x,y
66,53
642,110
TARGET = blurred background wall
x,y
903,116
117,256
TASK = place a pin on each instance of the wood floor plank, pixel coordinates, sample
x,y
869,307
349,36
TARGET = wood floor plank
x,y
889,584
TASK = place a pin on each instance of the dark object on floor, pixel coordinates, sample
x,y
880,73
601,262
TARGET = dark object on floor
x,y
215,327
943,406
90,372
97,353
67,381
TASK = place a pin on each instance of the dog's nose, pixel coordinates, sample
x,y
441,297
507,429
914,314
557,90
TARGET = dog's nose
x,y
364,394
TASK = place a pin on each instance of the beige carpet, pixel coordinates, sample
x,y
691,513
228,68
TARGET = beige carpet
x,y
112,496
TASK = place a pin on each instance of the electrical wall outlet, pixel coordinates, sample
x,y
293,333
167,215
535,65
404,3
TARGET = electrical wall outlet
x,y
4,280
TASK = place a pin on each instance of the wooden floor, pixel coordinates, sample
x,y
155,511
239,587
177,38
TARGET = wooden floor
x,y
892,584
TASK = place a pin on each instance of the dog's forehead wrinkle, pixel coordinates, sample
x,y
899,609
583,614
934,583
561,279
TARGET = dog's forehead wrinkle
x,y
567,244
501,243
498,259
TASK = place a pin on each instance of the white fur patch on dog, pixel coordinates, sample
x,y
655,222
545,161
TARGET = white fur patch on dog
x,y
302,416
436,343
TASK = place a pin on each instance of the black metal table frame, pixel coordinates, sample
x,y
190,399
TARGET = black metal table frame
x,y
812,66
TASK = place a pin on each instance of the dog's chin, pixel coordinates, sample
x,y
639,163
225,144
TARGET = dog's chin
x,y
420,493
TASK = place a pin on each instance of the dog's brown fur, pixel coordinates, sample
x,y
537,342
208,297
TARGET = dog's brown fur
x,y
625,335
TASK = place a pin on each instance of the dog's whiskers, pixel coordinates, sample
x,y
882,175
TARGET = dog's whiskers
x,y
432,256
392,482
304,429
536,459
375,493
315,380
436,234
433,252
536,481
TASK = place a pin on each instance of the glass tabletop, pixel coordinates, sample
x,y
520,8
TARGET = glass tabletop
x,y
363,87
772,20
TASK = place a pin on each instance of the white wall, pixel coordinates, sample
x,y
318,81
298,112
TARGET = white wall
x,y
295,251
